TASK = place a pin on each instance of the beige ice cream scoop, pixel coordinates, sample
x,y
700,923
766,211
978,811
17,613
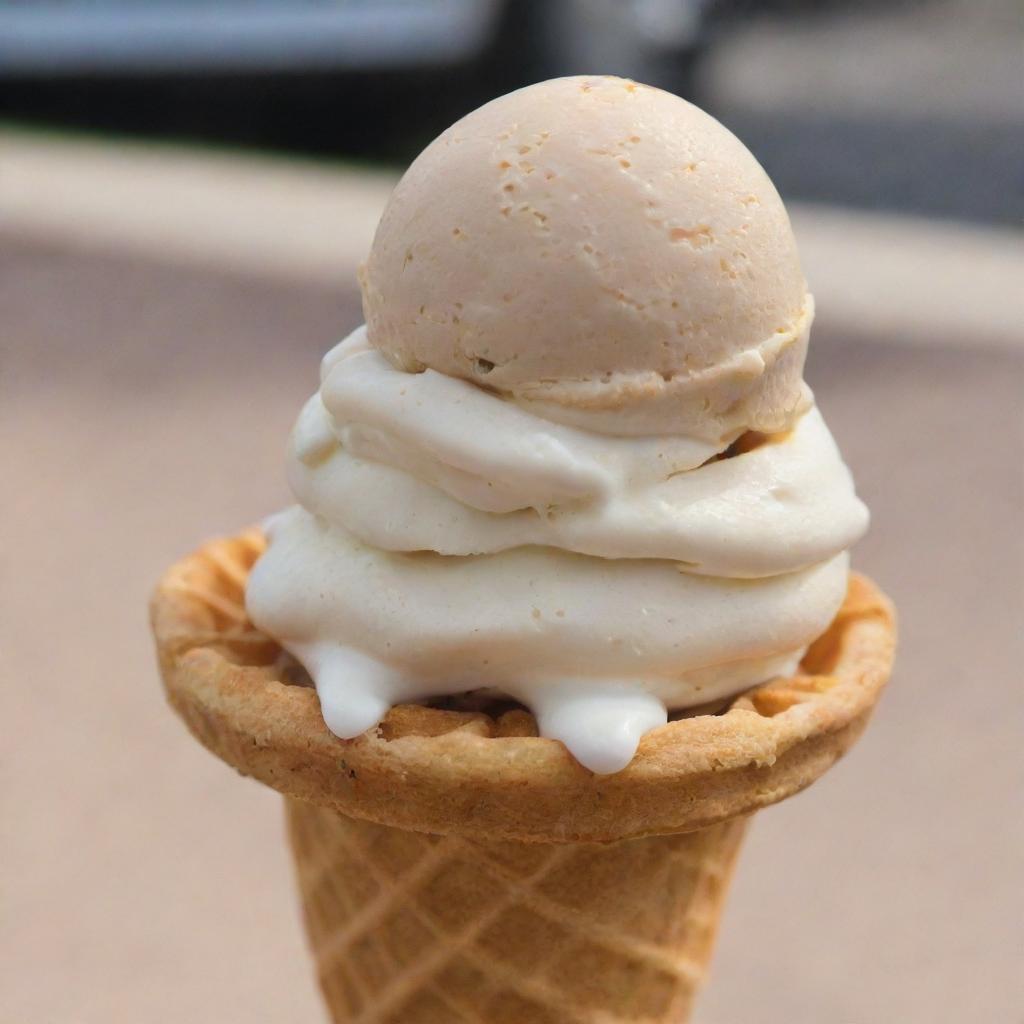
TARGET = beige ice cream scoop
x,y
603,252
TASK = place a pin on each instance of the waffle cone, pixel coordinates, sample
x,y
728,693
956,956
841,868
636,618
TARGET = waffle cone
x,y
455,866
411,928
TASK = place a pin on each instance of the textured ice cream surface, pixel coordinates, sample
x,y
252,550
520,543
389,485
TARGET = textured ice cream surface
x,y
571,458
414,462
448,540
604,251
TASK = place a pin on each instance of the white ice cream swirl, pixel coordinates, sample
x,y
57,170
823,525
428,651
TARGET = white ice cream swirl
x,y
449,540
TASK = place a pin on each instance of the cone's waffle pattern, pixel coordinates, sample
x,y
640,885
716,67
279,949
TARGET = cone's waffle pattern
x,y
410,928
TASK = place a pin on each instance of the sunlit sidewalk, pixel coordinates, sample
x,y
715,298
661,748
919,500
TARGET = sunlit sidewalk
x,y
894,277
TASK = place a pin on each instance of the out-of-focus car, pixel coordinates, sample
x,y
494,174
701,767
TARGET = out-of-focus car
x,y
44,37
72,37
360,78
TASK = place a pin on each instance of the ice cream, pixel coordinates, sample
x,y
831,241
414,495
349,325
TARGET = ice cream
x,y
602,251
571,457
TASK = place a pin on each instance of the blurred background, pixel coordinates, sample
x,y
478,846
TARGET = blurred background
x,y
185,190
914,106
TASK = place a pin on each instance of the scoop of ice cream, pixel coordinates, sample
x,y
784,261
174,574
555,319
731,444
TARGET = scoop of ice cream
x,y
604,252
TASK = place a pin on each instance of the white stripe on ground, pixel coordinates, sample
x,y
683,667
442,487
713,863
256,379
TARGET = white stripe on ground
x,y
898,278
257,214
910,279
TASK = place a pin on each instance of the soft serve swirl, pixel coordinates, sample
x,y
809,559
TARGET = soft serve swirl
x,y
448,539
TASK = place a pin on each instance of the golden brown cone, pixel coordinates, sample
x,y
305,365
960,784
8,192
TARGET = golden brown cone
x,y
449,860
485,773
409,928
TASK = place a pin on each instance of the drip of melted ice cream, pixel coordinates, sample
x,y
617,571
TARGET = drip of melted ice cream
x,y
448,539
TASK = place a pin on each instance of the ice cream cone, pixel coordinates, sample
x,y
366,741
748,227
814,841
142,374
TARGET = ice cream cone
x,y
455,866
409,928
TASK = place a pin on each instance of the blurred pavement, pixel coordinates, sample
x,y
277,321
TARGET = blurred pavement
x,y
927,281
146,391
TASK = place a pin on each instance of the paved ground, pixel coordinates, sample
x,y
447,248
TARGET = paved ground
x,y
144,406
925,281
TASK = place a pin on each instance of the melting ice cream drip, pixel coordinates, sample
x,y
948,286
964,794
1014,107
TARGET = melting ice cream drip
x,y
601,723
355,689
